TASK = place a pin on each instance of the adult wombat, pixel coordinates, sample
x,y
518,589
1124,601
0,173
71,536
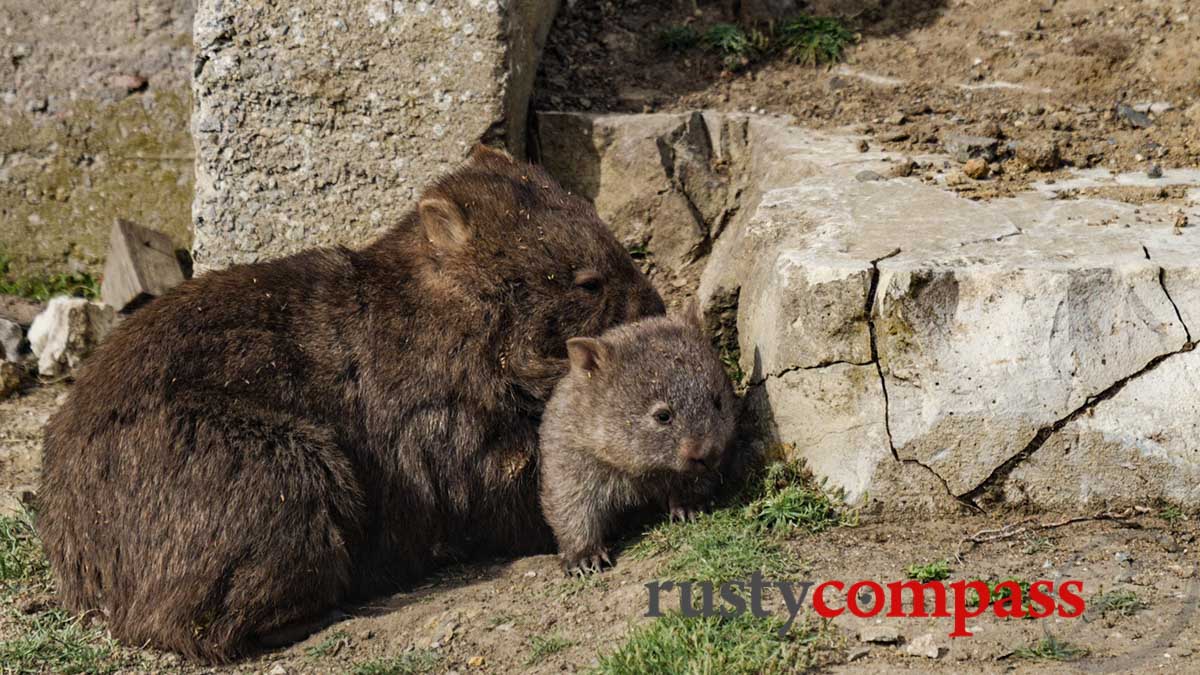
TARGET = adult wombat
x,y
269,440
645,415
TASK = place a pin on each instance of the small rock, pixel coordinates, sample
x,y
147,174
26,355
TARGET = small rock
x,y
530,574
965,148
10,379
1039,155
923,646
278,669
1137,119
867,176
67,332
1155,171
1123,558
857,653
1160,107
894,137
976,168
903,169
863,146
476,661
10,340
879,634
897,118
956,178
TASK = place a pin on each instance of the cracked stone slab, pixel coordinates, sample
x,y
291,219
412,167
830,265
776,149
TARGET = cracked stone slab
x,y
990,329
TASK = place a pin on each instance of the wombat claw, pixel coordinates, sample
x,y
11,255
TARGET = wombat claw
x,y
587,564
683,514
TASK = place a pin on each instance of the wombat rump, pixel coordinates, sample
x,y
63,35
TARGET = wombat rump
x,y
268,441
645,415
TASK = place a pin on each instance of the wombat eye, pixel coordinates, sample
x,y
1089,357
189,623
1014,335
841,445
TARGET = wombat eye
x,y
662,415
589,280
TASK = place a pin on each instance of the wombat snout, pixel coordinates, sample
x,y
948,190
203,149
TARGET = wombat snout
x,y
699,454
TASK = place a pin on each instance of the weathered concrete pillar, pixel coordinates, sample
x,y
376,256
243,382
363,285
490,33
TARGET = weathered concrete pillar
x,y
318,121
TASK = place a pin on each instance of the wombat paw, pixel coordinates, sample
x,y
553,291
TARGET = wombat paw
x,y
684,513
588,562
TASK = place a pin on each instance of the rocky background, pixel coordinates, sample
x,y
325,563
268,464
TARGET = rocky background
x,y
95,105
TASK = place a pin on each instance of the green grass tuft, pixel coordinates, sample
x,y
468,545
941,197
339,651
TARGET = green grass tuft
x,y
331,645
419,661
1172,514
55,642
22,564
934,571
1051,648
542,646
678,38
746,535
811,41
1123,603
745,644
44,287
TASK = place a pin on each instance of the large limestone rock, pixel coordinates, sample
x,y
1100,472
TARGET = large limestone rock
x,y
67,332
907,342
668,184
318,123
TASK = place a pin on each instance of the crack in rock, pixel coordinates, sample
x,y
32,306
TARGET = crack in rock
x,y
1000,474
817,366
872,291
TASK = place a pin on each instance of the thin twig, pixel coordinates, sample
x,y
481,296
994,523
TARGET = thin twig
x,y
1031,525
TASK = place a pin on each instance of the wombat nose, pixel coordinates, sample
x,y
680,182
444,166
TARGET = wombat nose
x,y
696,454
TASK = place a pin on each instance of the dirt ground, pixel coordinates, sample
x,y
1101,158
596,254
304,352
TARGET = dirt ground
x,y
524,615
1027,73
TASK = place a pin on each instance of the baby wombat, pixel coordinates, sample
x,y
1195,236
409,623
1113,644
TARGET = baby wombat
x,y
644,415
264,442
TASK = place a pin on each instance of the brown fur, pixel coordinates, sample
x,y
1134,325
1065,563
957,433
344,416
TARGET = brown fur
x,y
267,441
606,449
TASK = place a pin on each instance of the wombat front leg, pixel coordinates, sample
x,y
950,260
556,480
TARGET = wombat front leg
x,y
579,525
687,497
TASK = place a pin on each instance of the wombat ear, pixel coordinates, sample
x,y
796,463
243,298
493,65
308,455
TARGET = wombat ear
x,y
486,155
586,354
444,224
693,315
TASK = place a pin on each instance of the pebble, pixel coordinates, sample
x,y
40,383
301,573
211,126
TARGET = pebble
x,y
857,653
1138,119
923,646
1039,155
976,168
277,670
1123,558
863,146
1155,171
903,169
476,661
867,176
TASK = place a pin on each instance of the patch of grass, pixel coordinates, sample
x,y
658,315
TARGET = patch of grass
x,y
23,566
737,47
331,645
541,646
732,360
419,661
996,593
1124,603
1051,648
56,642
744,644
44,287
638,251
811,41
1172,514
934,571
746,535
678,38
